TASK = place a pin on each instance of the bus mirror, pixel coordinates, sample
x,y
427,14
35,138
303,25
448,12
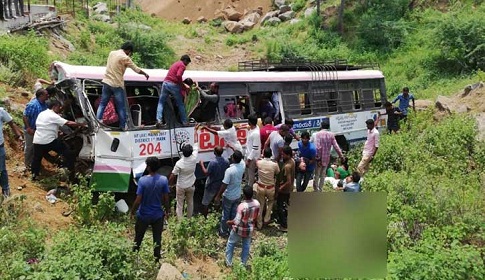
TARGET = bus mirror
x,y
115,144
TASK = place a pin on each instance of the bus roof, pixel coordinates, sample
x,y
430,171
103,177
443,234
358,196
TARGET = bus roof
x,y
158,75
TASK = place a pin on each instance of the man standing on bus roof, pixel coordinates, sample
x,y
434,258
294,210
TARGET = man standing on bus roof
x,y
404,99
172,85
113,82
324,141
370,147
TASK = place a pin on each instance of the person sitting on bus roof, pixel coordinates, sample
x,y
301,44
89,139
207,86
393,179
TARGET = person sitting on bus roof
x,y
173,84
229,135
289,122
209,103
113,82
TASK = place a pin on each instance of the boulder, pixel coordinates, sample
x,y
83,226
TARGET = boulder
x,y
219,15
186,20
287,16
272,21
201,19
233,26
461,109
308,12
423,104
247,25
443,103
101,8
232,14
100,17
295,20
252,17
269,15
169,272
279,3
285,8
469,88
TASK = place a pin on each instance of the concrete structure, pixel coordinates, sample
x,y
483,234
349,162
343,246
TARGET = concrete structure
x,y
36,13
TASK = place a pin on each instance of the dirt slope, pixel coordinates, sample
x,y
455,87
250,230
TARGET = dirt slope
x,y
178,9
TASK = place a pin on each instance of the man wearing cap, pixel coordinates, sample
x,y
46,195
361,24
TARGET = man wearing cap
x,y
370,147
173,84
6,118
113,82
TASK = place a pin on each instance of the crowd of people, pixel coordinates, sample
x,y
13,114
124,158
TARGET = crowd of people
x,y
264,172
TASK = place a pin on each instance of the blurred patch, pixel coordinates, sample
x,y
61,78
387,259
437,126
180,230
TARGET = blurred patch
x,y
337,235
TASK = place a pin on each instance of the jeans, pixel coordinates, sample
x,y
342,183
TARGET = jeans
x,y
282,203
57,146
185,195
305,177
3,173
174,89
119,96
29,148
235,238
141,226
229,208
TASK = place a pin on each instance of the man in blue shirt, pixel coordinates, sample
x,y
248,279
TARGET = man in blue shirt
x,y
151,193
351,183
307,153
231,191
215,173
32,110
404,99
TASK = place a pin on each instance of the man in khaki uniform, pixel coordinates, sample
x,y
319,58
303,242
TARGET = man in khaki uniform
x,y
265,186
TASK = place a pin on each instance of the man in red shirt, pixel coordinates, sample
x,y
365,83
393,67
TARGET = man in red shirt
x,y
266,129
243,226
173,84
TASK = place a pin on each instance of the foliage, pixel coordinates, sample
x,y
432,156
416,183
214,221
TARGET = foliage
x,y
100,252
25,57
87,213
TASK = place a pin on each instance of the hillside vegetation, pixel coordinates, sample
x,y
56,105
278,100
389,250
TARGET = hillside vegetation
x,y
432,171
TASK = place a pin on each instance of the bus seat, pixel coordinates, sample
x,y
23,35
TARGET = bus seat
x,y
135,110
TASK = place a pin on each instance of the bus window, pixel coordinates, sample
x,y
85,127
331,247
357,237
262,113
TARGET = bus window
x,y
304,102
357,100
143,102
345,101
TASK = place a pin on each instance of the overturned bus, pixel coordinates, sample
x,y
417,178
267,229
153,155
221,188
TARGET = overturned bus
x,y
308,93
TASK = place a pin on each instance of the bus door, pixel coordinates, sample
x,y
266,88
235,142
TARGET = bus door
x,y
266,100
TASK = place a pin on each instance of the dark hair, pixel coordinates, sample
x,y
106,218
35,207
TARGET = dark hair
x,y
369,121
127,46
52,103
405,89
51,90
289,122
267,153
189,81
152,164
185,58
284,128
252,119
227,123
387,104
305,134
288,139
237,156
287,150
355,177
267,120
187,150
218,150
325,124
40,91
248,192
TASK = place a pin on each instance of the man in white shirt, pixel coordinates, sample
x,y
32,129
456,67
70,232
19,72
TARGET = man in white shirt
x,y
45,138
370,147
276,142
253,148
183,174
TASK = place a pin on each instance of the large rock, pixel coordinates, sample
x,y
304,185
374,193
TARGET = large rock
x,y
169,272
252,17
219,15
443,103
101,8
233,26
279,3
101,17
201,19
269,15
186,20
308,12
287,16
284,9
232,14
295,21
272,21
423,104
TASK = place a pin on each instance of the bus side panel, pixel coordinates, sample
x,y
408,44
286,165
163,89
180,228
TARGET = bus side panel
x,y
111,175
